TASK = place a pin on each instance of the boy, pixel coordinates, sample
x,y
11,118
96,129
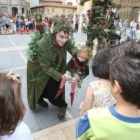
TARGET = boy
x,y
122,120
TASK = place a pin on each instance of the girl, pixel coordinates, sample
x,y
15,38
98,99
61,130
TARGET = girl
x,y
98,92
76,70
12,109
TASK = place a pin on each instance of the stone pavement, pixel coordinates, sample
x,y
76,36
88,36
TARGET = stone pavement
x,y
62,131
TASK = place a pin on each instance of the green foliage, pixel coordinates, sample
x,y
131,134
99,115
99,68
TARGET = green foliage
x,y
101,18
32,46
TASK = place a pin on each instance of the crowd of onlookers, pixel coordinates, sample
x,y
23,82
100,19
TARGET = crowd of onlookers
x,y
123,26
10,24
24,24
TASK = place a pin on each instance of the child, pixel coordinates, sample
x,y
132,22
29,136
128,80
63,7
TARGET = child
x,y
21,31
98,92
10,30
4,30
77,69
120,121
12,109
27,31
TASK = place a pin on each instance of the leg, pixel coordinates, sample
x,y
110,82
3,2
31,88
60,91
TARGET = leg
x,y
134,35
73,87
50,92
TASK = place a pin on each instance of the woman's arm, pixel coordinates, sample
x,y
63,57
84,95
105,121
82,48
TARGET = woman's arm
x,y
88,101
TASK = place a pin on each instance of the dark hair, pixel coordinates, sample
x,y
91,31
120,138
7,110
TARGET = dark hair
x,y
121,50
11,105
100,64
126,70
37,16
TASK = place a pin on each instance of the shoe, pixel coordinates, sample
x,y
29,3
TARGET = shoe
x,y
61,113
42,103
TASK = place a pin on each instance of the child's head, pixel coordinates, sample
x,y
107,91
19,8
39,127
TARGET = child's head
x,y
4,27
38,17
100,64
125,74
11,105
84,54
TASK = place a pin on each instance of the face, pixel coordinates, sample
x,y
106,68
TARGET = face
x,y
61,38
38,17
81,59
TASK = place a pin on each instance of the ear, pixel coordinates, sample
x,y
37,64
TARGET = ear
x,y
117,88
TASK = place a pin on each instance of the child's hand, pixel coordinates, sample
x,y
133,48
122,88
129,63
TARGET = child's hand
x,y
77,77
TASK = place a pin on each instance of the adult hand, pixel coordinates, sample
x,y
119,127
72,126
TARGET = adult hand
x,y
64,77
77,77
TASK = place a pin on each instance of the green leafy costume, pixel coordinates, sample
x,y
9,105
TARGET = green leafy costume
x,y
41,66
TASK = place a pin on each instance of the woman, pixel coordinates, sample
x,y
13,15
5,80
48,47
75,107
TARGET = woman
x,y
39,24
46,69
45,25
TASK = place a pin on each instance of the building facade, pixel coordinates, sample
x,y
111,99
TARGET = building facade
x,y
51,8
13,7
129,9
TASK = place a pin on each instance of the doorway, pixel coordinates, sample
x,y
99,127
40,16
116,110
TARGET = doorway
x,y
135,14
14,11
22,11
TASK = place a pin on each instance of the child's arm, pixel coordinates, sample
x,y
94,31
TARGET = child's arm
x,y
88,101
85,73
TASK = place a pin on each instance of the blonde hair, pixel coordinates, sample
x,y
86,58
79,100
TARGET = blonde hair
x,y
85,51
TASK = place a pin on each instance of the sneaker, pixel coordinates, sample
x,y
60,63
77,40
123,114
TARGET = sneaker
x,y
42,103
61,113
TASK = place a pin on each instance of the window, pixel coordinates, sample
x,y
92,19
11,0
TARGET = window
x,y
4,9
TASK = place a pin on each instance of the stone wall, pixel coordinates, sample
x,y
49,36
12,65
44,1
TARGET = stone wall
x,y
13,7
128,9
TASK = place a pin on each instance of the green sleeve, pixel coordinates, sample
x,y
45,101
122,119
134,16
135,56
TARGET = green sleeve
x,y
45,61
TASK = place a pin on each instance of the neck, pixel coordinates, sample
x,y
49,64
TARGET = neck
x,y
127,109
105,82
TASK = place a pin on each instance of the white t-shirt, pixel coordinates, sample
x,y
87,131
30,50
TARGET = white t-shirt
x,y
134,26
22,132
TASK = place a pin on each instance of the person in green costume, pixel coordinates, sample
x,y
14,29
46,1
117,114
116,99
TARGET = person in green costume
x,y
46,66
38,24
